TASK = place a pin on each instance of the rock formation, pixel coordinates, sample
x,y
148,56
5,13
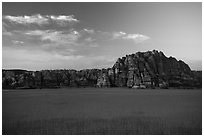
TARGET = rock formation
x,y
140,70
151,69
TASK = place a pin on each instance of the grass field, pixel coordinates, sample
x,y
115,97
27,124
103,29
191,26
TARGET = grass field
x,y
102,111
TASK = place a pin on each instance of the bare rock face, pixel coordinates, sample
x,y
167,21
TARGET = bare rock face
x,y
120,73
103,81
151,69
140,70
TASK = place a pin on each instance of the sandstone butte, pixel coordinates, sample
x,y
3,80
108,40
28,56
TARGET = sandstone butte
x,y
151,69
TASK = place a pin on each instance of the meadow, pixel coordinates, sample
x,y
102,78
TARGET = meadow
x,y
102,111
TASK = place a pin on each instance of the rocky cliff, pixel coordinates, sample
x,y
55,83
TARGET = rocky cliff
x,y
152,69
140,70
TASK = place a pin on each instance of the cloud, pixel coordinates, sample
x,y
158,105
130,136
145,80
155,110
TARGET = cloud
x,y
69,57
63,42
137,38
60,38
57,42
17,42
56,37
69,38
54,40
36,32
90,31
38,19
117,35
62,20
33,19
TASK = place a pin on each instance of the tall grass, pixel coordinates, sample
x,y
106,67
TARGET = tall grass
x,y
115,126
92,111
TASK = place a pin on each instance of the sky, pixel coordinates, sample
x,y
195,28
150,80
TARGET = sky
x,y
38,36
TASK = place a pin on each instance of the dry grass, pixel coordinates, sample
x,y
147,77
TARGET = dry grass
x,y
114,111
117,126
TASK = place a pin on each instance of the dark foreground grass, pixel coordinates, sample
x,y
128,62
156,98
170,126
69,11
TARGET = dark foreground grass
x,y
117,126
102,112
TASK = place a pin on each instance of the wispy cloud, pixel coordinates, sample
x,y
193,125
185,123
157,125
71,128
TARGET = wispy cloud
x,y
70,35
90,31
50,35
137,38
17,42
57,37
117,35
53,41
35,32
62,20
38,19
34,19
